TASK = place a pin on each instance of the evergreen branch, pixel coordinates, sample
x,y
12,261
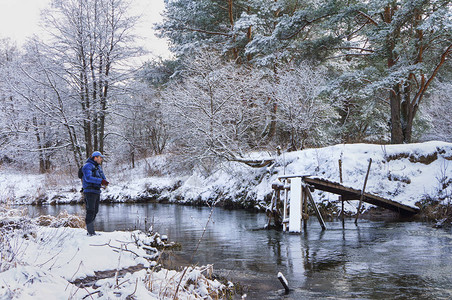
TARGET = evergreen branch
x,y
349,37
354,48
349,54
369,18
419,95
209,32
307,23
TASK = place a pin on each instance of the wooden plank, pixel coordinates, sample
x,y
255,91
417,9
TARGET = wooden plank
x,y
353,194
286,192
295,205
293,176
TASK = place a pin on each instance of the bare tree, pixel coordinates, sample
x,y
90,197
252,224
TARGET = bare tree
x,y
8,53
138,128
92,41
302,113
57,94
23,129
41,84
217,109
439,111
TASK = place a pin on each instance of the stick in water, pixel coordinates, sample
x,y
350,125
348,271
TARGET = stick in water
x,y
283,281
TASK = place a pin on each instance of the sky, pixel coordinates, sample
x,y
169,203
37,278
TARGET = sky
x,y
19,19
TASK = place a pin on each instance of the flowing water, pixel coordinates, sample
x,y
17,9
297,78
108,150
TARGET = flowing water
x,y
373,260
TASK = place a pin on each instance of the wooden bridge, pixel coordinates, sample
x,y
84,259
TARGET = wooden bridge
x,y
301,187
353,194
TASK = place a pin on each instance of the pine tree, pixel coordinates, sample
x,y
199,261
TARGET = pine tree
x,y
384,54
192,25
399,48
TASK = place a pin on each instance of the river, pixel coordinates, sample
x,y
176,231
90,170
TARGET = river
x,y
373,260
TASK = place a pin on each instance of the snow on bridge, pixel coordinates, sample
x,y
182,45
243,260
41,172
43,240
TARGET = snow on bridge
x,y
301,187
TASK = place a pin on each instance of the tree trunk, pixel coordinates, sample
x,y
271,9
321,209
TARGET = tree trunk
x,y
397,136
84,100
396,124
42,163
249,35
272,130
94,100
103,102
231,21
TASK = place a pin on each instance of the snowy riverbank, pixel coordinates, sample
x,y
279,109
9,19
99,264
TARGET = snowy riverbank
x,y
408,174
60,262
53,258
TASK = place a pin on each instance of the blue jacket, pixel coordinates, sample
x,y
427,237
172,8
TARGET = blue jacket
x,y
92,177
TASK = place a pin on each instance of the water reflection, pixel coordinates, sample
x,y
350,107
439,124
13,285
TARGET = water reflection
x,y
373,260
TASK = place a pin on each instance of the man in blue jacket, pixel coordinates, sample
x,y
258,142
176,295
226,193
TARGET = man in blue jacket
x,y
93,179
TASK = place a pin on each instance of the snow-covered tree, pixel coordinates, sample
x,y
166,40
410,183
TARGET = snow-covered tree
x,y
23,130
158,72
138,126
8,54
218,109
364,113
61,90
438,109
308,118
36,119
288,31
265,31
42,86
93,41
192,25
401,47
393,49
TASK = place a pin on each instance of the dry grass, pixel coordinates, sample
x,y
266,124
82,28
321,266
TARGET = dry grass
x,y
197,282
62,220
414,158
64,177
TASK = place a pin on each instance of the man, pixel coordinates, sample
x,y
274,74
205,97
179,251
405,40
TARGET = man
x,y
93,180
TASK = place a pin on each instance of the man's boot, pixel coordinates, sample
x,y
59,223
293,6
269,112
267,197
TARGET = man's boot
x,y
90,228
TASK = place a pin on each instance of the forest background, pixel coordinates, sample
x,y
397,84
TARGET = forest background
x,y
245,76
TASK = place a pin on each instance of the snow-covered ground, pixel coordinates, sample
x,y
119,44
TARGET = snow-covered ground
x,y
46,259
40,262
405,173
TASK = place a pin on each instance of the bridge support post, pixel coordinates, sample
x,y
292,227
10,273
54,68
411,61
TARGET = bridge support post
x,y
362,192
286,198
340,197
316,209
295,205
304,203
